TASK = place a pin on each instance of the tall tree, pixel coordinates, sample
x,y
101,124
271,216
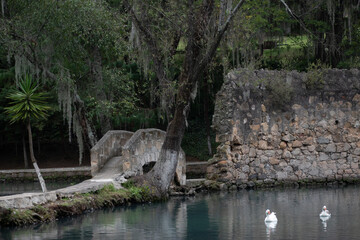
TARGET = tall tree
x,y
28,104
196,24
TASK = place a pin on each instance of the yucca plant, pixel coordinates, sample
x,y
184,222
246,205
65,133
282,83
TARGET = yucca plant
x,y
26,104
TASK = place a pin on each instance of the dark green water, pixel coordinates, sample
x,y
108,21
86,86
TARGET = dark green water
x,y
237,215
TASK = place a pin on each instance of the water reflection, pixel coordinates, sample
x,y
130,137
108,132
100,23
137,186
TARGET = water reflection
x,y
324,222
238,215
270,228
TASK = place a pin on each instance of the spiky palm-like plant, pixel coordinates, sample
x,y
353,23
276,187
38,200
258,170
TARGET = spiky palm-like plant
x,y
28,104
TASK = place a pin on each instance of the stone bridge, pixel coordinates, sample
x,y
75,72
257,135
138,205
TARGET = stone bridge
x,y
127,153
118,155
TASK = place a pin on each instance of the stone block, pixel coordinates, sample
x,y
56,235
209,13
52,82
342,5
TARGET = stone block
x,y
274,161
330,148
252,152
308,141
263,145
283,145
286,154
281,175
357,152
296,144
323,140
354,165
296,152
288,138
311,148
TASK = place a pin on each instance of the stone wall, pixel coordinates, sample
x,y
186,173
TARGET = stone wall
x,y
144,148
279,127
110,145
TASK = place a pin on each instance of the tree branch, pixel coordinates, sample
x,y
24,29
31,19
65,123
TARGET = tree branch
x,y
297,18
218,36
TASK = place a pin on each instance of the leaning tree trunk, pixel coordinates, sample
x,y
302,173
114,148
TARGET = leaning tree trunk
x,y
41,180
198,54
26,164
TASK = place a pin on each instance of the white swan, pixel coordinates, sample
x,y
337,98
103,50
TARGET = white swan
x,y
270,217
324,213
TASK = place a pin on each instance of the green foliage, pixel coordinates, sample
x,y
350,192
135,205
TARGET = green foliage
x,y
315,76
27,103
280,92
139,194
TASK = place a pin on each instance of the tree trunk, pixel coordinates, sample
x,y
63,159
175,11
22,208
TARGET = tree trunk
x,y
164,170
3,8
26,163
41,180
87,130
199,53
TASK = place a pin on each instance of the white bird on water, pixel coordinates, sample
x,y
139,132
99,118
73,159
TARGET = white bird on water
x,y
324,213
270,216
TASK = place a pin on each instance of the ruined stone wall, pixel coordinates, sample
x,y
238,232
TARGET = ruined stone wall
x,y
276,127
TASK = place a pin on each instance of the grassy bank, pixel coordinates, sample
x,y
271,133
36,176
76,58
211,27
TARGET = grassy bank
x,y
78,204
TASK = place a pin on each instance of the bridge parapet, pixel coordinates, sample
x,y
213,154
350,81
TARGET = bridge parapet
x,y
110,145
144,148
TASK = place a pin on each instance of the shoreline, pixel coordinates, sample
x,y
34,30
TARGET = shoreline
x,y
109,196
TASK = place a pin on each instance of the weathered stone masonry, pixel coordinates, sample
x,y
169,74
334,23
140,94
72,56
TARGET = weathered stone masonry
x,y
312,136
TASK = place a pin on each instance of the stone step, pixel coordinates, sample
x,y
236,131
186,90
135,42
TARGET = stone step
x,y
194,182
196,163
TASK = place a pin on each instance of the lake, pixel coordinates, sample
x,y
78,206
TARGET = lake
x,y
234,215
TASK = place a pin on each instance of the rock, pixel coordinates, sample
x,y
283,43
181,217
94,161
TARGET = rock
x,y
330,148
282,145
342,147
322,140
281,175
357,151
253,177
263,145
263,108
288,138
252,152
311,148
274,161
233,188
296,152
223,187
297,144
356,98
286,154
221,163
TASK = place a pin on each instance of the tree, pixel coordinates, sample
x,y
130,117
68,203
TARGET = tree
x,y
195,23
28,104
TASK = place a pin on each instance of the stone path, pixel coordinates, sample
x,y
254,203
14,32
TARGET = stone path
x,y
107,175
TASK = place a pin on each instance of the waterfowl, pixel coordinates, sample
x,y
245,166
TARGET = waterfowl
x,y
270,216
324,212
